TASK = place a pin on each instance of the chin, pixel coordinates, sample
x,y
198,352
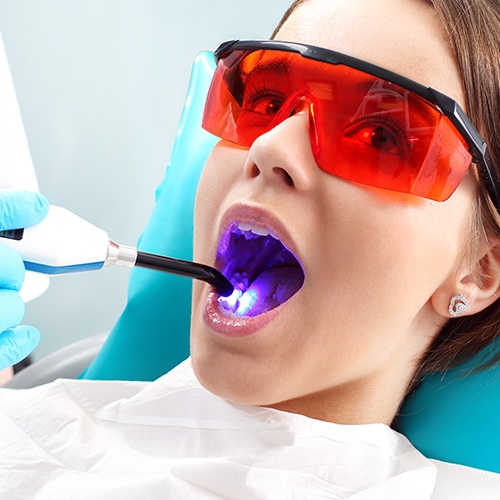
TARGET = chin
x,y
233,376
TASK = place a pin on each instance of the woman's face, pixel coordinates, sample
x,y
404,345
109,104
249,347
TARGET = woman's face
x,y
372,259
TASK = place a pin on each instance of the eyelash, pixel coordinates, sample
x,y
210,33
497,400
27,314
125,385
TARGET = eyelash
x,y
253,95
389,121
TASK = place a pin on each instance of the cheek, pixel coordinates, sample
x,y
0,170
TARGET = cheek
x,y
223,167
387,256
210,182
215,182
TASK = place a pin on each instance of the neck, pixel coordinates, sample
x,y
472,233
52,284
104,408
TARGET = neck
x,y
372,399
353,404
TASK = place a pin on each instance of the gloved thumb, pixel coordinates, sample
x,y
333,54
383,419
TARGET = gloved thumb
x,y
16,344
19,209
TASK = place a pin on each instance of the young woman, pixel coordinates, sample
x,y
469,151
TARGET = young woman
x,y
327,158
354,207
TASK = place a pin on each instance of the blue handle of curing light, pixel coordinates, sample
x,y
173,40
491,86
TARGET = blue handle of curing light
x,y
42,268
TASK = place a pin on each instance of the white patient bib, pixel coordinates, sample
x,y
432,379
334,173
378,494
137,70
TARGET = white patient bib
x,y
173,439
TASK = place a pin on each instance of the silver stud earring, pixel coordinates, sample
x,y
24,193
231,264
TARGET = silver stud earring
x,y
458,305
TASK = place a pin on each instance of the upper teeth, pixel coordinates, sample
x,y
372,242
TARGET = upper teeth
x,y
260,230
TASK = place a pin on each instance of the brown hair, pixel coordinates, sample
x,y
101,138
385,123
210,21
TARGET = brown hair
x,y
473,30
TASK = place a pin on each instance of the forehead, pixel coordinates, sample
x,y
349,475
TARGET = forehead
x,y
403,36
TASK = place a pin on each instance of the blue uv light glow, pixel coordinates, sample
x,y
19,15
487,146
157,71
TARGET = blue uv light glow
x,y
246,302
232,300
239,303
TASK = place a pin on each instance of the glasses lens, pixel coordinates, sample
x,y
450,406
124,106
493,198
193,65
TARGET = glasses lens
x,y
363,128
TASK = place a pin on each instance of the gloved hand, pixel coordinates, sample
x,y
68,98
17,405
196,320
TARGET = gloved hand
x,y
18,209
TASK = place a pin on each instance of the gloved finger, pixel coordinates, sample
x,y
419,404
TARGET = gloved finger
x,y
11,269
16,344
19,209
11,309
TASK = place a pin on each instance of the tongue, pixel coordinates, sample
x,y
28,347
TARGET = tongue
x,y
273,287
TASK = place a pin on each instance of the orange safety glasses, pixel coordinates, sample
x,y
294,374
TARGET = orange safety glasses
x,y
366,124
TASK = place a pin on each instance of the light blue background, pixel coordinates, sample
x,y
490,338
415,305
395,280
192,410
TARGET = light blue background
x,y
101,85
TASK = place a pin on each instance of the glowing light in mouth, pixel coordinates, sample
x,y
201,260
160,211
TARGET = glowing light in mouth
x,y
231,301
263,271
239,303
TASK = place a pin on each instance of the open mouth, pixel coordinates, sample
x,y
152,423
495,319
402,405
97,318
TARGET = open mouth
x,y
264,273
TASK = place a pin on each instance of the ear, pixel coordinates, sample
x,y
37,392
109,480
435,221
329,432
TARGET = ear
x,y
481,287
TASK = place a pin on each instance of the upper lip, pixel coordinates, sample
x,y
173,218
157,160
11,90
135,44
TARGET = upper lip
x,y
255,214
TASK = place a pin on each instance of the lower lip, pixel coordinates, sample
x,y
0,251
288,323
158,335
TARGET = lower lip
x,y
234,326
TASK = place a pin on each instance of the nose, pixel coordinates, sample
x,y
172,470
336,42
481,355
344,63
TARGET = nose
x,y
284,154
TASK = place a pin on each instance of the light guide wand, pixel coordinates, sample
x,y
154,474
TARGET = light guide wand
x,y
65,243
122,255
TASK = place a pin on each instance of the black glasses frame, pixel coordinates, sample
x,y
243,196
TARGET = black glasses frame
x,y
446,105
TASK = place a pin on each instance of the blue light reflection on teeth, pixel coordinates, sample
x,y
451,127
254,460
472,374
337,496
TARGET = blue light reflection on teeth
x,y
239,303
231,301
246,302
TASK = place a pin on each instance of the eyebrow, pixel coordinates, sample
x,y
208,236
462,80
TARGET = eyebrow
x,y
279,65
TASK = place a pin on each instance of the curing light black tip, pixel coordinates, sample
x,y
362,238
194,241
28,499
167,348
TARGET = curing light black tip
x,y
186,268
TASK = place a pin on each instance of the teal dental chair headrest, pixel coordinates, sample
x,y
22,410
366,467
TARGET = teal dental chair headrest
x,y
152,334
451,417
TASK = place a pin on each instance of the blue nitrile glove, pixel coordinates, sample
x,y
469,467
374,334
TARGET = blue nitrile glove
x,y
18,209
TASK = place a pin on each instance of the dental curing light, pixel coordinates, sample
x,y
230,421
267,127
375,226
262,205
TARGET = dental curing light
x,y
65,243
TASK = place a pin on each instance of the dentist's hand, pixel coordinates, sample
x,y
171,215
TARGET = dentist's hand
x,y
18,209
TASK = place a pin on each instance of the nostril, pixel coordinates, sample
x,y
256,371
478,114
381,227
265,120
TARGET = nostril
x,y
285,176
252,171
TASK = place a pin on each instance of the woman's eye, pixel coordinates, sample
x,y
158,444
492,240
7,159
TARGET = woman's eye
x,y
270,107
378,137
382,139
267,106
263,101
